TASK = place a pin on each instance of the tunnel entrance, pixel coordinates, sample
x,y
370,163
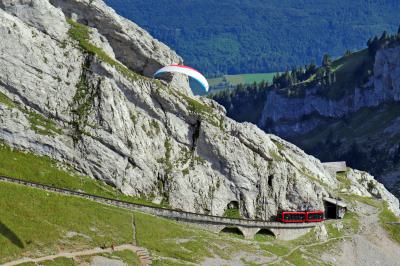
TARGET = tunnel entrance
x,y
330,210
334,208
232,210
264,235
233,205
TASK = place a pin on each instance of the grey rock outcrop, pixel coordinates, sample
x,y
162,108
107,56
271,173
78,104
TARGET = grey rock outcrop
x,y
147,137
308,112
365,119
364,184
132,45
39,14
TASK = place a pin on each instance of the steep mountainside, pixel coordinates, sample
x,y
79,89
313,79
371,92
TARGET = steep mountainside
x,y
351,112
74,82
252,36
77,102
80,94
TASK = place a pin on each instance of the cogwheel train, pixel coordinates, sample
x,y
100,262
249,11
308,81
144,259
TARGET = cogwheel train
x,y
300,217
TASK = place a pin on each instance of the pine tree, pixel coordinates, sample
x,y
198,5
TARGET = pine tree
x,y
398,33
326,61
310,70
262,85
384,36
288,79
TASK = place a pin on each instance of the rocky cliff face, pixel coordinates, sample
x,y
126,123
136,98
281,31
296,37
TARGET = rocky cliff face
x,y
360,127
75,83
290,116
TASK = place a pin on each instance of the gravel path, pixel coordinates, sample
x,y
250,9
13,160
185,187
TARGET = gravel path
x,y
143,254
371,246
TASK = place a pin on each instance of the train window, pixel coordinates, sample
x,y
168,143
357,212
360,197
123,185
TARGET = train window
x,y
294,217
315,216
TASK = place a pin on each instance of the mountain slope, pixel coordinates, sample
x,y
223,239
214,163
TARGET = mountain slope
x,y
64,228
346,110
67,95
77,101
252,36
168,241
171,243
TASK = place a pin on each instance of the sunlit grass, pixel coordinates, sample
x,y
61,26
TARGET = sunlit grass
x,y
34,221
386,216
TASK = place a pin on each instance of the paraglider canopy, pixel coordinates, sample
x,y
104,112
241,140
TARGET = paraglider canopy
x,y
191,72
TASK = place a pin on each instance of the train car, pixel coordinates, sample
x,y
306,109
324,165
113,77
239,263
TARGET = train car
x,y
300,217
291,217
314,216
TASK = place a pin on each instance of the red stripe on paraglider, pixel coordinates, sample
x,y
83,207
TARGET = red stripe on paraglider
x,y
182,66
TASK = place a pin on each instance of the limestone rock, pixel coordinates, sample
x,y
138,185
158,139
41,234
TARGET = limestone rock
x,y
39,14
132,45
364,184
321,233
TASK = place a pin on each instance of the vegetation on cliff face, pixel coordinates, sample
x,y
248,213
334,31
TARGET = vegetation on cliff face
x,y
46,171
231,37
86,93
81,34
39,123
343,139
387,219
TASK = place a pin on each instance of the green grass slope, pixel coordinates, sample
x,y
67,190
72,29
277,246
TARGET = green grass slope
x,y
125,256
387,218
231,81
36,223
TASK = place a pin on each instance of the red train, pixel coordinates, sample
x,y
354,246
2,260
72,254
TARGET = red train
x,y
300,217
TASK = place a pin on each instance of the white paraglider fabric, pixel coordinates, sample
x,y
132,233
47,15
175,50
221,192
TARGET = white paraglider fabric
x,y
191,72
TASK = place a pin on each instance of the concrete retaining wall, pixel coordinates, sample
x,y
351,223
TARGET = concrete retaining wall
x,y
335,167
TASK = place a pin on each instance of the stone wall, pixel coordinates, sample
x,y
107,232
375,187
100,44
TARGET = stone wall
x,y
335,167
